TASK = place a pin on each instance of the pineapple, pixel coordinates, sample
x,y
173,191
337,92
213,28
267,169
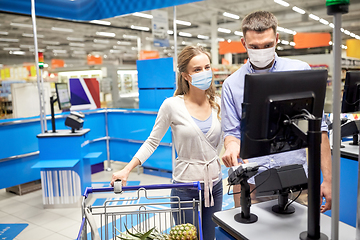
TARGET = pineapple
x,y
183,232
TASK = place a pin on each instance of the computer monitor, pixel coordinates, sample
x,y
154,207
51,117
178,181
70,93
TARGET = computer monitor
x,y
270,100
351,95
63,96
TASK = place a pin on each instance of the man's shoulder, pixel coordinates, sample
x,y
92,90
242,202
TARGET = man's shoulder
x,y
294,64
237,75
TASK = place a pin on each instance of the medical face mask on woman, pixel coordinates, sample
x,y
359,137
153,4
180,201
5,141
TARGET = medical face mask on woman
x,y
202,80
261,57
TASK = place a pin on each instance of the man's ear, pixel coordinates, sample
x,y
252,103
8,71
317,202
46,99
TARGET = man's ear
x,y
277,38
243,42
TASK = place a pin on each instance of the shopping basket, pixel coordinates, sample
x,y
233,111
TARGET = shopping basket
x,y
138,213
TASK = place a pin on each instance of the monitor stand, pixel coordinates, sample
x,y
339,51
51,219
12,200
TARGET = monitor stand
x,y
281,207
245,201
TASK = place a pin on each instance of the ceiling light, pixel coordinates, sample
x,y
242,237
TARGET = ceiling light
x,y
183,22
323,21
202,44
347,32
76,49
352,35
170,32
134,48
149,39
357,37
62,29
4,33
279,48
316,18
224,30
186,43
130,36
80,52
101,22
106,34
11,49
17,52
99,46
203,37
283,3
21,25
115,51
220,39
229,40
51,42
123,43
230,15
330,43
8,40
119,47
342,30
144,15
299,10
32,35
292,44
77,44
238,33
331,25
343,47
184,34
101,41
75,39
140,28
59,51
285,42
54,47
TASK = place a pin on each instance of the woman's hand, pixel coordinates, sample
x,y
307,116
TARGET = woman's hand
x,y
120,175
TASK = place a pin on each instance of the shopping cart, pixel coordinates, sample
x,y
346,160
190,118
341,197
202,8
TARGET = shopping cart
x,y
138,213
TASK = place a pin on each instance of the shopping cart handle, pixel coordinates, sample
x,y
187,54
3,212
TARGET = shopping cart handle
x,y
196,185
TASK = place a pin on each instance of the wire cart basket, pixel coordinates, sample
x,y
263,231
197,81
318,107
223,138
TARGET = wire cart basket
x,y
137,210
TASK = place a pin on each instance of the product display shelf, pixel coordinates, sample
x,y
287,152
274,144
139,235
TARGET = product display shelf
x,y
219,77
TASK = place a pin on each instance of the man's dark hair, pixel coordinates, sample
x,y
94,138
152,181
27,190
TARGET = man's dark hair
x,y
259,21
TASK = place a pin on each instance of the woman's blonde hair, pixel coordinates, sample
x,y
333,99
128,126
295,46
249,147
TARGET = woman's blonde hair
x,y
183,85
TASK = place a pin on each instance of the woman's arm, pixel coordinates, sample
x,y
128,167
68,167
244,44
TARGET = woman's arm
x,y
124,173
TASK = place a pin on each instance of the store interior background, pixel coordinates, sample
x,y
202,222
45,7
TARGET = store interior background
x,y
80,49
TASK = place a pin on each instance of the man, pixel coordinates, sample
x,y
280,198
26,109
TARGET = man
x,y
260,39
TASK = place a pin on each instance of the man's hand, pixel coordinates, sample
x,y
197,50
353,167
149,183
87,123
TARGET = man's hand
x,y
232,151
325,192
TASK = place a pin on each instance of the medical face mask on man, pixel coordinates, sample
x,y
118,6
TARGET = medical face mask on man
x,y
202,80
261,57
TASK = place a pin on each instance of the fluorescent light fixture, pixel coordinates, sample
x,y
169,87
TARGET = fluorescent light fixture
x,y
342,30
312,16
115,51
32,35
283,3
101,41
292,44
54,47
347,32
129,36
51,42
220,39
123,43
106,34
76,49
75,39
80,52
184,34
21,25
62,29
285,30
26,46
144,15
59,51
140,28
299,10
134,48
224,30
73,44
285,42
343,47
357,37
203,37
170,32
323,21
99,46
11,49
183,22
279,48
17,52
4,33
330,43
101,22
120,47
230,15
202,44
9,40
238,33
331,25
229,40
186,43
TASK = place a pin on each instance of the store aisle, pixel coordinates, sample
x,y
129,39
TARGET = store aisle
x,y
26,212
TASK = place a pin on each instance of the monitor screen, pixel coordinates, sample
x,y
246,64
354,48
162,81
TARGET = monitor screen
x,y
63,96
270,100
351,95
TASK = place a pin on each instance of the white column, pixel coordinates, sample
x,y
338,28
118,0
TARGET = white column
x,y
214,42
228,57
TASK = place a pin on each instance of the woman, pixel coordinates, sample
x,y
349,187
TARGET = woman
x,y
194,117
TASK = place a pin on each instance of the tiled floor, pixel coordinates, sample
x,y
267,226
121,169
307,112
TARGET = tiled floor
x,y
54,224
